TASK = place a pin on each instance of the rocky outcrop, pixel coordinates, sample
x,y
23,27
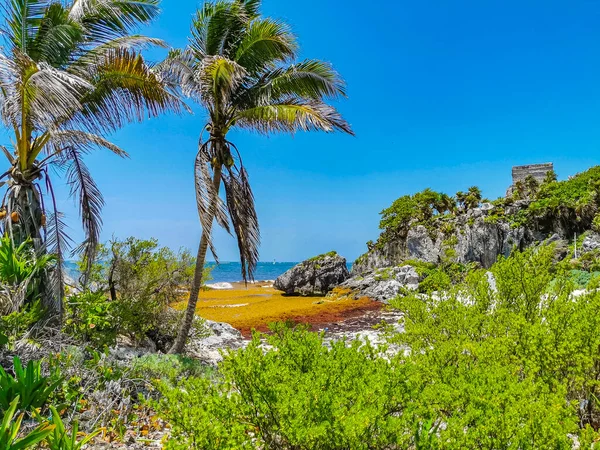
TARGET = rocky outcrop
x,y
221,337
472,237
591,242
383,284
315,276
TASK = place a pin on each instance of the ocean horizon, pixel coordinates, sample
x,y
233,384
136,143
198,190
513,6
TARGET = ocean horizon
x,y
226,271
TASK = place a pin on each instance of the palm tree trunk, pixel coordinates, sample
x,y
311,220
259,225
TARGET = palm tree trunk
x,y
190,312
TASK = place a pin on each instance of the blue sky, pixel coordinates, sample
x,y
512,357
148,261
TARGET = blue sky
x,y
441,94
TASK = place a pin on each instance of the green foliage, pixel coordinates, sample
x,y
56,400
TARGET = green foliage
x,y
300,395
581,278
61,439
28,385
93,318
421,208
511,368
330,254
573,201
16,324
134,283
10,430
21,271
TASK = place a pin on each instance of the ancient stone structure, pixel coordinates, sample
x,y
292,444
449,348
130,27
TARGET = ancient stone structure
x,y
537,171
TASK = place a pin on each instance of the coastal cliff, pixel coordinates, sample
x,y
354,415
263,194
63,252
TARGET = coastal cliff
x,y
433,227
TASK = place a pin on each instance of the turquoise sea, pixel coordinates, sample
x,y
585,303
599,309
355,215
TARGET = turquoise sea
x,y
225,271
231,271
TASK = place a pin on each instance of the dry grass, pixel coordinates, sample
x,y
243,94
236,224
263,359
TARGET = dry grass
x,y
255,307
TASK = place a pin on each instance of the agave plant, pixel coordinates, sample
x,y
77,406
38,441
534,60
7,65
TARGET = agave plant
x,y
241,68
71,72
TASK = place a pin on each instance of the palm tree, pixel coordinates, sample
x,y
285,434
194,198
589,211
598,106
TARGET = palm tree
x,y
473,198
241,68
70,73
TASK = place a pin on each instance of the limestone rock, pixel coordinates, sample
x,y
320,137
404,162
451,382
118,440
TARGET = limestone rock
x,y
208,348
591,242
383,284
315,276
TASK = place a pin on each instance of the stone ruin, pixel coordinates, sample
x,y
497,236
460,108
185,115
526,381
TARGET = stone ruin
x,y
520,173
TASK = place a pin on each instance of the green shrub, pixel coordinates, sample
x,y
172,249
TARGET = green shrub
x,y
511,368
93,318
131,289
16,324
21,273
300,395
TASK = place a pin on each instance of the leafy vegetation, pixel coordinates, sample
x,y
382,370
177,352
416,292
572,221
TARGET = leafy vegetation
x,y
513,364
571,205
129,293
10,428
28,385
303,395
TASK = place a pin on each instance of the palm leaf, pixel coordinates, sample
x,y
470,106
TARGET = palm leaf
x,y
23,20
90,202
209,204
218,78
216,28
265,43
108,19
240,203
310,79
125,90
57,38
292,116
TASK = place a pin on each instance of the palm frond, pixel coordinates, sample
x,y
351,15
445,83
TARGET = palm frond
x,y
48,96
57,38
240,203
209,204
58,242
96,54
217,27
125,90
108,19
90,202
292,116
251,7
310,79
83,141
178,70
218,78
23,20
265,43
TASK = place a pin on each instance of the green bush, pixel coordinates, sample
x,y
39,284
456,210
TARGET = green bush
x,y
511,368
16,324
130,290
168,367
93,318
300,395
